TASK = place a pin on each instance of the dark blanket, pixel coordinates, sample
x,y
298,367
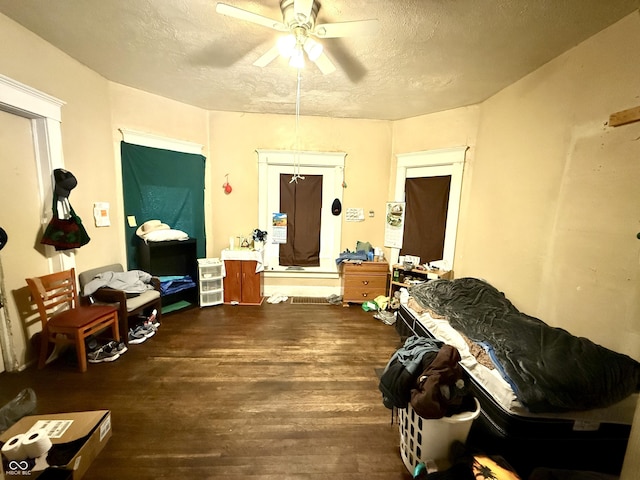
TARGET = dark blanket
x,y
549,369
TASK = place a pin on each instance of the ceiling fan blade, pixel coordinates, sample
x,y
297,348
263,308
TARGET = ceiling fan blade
x,y
239,13
302,9
325,64
268,57
346,29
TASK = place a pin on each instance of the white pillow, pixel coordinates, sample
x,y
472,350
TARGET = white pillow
x,y
164,235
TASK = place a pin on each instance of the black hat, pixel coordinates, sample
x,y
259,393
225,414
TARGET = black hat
x,y
336,207
65,182
3,238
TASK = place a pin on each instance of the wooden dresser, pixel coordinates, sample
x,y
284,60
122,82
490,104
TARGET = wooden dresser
x,y
362,281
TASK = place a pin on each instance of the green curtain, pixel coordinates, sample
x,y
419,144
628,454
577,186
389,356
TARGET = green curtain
x,y
162,185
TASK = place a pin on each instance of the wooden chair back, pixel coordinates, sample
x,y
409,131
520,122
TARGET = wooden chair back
x,y
54,293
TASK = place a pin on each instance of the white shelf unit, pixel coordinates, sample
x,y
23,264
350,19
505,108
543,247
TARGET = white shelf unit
x,y
210,281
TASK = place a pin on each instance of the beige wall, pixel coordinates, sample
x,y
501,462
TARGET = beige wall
x,y
452,128
86,142
235,138
552,211
144,112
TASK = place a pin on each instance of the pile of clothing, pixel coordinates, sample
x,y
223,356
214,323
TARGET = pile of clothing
x,y
426,373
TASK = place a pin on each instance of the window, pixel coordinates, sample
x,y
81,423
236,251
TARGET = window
x,y
328,166
446,162
301,201
162,179
427,202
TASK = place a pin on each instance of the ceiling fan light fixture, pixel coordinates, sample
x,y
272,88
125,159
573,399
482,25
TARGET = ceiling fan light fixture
x,y
297,58
313,49
286,45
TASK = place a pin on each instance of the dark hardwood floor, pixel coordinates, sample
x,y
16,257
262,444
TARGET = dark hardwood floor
x,y
265,392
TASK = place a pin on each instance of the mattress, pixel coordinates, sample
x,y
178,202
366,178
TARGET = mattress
x,y
586,440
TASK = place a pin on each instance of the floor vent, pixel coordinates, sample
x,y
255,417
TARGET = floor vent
x,y
309,301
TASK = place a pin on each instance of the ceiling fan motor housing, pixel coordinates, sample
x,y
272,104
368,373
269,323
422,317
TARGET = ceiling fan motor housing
x,y
291,20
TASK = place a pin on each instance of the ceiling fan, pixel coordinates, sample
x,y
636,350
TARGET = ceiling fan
x,y
299,22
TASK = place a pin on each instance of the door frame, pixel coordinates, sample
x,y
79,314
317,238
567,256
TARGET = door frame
x,y
45,115
444,161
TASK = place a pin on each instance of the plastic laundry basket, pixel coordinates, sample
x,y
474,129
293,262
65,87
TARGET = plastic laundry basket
x,y
424,439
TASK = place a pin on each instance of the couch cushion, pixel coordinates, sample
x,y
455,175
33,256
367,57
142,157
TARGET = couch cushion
x,y
142,299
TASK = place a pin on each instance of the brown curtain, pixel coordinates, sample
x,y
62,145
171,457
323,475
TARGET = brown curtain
x,y
302,202
427,200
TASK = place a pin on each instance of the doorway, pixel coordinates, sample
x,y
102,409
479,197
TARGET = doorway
x,y
32,142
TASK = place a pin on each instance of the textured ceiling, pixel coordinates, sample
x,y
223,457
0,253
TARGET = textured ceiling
x,y
428,55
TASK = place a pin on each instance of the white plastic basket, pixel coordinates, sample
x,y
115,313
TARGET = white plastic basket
x,y
424,439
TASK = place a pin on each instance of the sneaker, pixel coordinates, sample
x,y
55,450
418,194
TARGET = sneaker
x,y
334,299
136,336
147,330
149,325
388,318
103,354
118,347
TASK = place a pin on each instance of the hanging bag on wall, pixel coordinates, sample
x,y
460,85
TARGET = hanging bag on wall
x,y
65,233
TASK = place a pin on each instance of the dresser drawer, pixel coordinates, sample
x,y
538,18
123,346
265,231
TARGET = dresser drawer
x,y
363,281
365,268
362,294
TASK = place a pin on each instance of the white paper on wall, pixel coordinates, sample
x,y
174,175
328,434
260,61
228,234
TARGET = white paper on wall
x,y
354,215
101,214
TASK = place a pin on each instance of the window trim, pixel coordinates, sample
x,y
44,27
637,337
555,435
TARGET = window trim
x,y
449,160
328,161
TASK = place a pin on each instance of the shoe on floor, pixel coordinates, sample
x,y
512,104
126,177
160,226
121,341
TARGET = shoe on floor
x,y
136,336
334,299
118,347
277,298
388,318
103,354
147,330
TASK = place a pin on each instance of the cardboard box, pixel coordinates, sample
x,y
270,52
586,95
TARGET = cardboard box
x,y
77,438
